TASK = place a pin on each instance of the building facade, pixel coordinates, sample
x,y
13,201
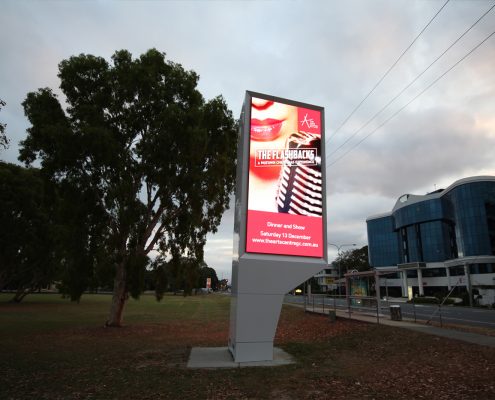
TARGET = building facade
x,y
328,279
438,242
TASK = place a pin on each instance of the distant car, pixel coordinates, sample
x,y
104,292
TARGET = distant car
x,y
298,291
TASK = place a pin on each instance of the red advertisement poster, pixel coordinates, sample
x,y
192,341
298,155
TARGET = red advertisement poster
x,y
285,198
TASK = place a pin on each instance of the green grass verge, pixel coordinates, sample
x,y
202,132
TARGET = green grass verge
x,y
46,312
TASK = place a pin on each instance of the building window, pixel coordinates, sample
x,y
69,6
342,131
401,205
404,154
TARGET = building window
x,y
458,223
456,271
412,273
481,269
391,275
490,222
433,272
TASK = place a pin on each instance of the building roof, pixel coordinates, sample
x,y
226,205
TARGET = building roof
x,y
408,199
376,216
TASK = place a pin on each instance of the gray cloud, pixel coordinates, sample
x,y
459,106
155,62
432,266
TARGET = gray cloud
x,y
320,52
419,150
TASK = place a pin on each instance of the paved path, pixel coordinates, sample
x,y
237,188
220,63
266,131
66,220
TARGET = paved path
x,y
468,316
428,329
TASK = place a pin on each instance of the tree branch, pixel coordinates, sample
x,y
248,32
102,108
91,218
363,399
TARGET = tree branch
x,y
148,193
155,239
153,201
158,232
152,225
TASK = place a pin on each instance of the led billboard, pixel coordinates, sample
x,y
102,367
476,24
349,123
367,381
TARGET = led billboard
x,y
285,196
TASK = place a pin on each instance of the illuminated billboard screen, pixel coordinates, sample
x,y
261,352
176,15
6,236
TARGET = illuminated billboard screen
x,y
285,196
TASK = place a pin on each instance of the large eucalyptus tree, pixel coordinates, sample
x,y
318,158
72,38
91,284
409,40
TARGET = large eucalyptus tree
x,y
137,138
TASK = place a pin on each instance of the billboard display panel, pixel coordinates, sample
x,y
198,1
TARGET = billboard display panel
x,y
285,196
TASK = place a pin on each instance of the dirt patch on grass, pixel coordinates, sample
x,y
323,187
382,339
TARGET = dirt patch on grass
x,y
170,332
169,358
344,359
391,363
313,328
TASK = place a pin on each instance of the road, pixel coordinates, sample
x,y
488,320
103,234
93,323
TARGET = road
x,y
449,314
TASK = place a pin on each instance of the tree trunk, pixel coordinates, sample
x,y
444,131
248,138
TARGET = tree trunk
x,y
20,294
3,280
119,298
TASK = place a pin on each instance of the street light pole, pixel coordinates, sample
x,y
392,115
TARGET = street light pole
x,y
338,255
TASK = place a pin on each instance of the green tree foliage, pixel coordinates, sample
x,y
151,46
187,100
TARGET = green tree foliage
x,y
181,274
153,160
46,235
27,256
223,284
160,277
188,274
206,272
353,259
4,142
80,230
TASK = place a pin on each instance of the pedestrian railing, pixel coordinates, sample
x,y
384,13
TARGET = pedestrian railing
x,y
370,306
321,303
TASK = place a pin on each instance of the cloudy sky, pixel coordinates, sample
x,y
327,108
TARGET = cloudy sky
x,y
328,53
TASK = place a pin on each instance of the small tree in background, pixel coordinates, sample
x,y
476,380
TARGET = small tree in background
x,y
47,233
27,248
353,259
206,272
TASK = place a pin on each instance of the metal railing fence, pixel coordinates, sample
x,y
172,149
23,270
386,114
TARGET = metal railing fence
x,y
322,303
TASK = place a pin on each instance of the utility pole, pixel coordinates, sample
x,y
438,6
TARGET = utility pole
x,y
338,255
469,287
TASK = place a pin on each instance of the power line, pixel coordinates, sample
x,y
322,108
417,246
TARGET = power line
x,y
413,99
387,72
410,83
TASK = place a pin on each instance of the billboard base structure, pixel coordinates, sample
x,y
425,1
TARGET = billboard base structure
x,y
259,285
220,357
280,216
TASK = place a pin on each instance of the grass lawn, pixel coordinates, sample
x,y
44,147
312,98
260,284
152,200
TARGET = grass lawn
x,y
53,349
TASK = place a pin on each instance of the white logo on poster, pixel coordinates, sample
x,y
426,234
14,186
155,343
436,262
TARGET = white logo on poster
x,y
309,122
271,157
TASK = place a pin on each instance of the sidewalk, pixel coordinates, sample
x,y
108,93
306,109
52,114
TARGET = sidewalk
x,y
468,337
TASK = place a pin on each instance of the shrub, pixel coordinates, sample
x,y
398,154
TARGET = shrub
x,y
424,300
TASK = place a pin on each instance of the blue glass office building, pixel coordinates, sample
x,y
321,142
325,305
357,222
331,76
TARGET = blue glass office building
x,y
442,230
